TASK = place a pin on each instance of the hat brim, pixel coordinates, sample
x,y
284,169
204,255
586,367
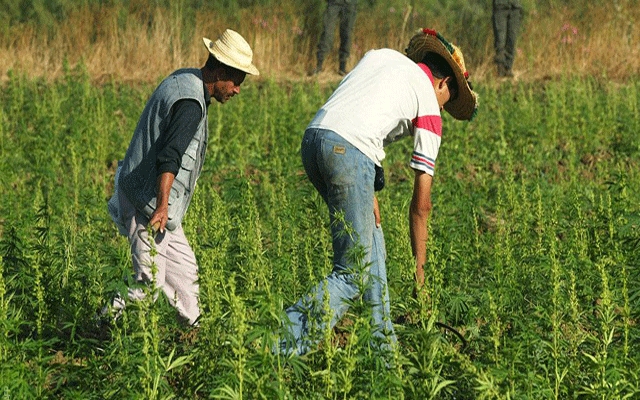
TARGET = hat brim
x,y
249,69
464,106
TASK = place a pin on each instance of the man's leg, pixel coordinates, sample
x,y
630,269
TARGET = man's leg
x,y
347,23
344,176
143,263
500,18
328,30
181,283
513,28
378,292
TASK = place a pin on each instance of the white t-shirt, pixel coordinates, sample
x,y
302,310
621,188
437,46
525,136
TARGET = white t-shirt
x,y
385,97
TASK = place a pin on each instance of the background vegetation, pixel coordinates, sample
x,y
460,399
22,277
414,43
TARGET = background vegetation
x,y
535,242
138,40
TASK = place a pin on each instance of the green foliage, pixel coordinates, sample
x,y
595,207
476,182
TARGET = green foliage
x,y
533,254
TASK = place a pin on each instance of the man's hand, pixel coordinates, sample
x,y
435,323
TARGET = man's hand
x,y
159,219
160,216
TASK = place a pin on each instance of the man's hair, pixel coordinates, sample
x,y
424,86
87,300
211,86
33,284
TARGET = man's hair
x,y
213,64
440,68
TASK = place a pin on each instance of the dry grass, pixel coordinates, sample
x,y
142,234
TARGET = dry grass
x,y
601,41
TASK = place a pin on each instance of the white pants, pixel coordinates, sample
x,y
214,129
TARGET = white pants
x,y
177,270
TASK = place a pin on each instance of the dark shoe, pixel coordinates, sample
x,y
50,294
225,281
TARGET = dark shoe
x,y
504,72
343,69
99,328
316,70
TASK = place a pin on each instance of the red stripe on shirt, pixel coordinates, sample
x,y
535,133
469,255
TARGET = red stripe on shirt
x,y
432,123
423,160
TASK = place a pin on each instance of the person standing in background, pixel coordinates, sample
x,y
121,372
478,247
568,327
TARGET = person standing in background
x,y
507,16
345,12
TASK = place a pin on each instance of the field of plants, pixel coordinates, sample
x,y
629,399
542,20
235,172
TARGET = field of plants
x,y
534,248
533,255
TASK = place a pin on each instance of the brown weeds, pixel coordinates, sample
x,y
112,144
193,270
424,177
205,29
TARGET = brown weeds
x,y
142,46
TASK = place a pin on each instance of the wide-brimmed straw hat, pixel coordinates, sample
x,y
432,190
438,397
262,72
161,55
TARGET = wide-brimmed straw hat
x,y
465,105
231,49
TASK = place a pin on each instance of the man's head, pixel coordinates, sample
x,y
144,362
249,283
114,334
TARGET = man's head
x,y
444,79
230,60
222,81
447,66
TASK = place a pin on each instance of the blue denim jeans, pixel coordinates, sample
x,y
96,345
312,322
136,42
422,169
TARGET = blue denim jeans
x,y
344,177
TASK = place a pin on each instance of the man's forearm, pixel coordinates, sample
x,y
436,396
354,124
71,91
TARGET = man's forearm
x,y
419,234
165,181
419,212
161,215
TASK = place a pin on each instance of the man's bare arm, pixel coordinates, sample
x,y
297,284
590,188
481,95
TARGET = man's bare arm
x,y
419,212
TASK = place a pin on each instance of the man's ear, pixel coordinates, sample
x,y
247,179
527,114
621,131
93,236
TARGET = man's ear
x,y
439,83
444,82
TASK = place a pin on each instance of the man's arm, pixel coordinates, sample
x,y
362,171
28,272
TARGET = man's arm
x,y
185,117
180,130
419,212
160,216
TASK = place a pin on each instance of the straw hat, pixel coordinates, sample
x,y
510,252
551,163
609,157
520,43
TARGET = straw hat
x,y
231,49
465,106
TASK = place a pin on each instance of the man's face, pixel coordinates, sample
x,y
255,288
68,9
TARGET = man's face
x,y
228,84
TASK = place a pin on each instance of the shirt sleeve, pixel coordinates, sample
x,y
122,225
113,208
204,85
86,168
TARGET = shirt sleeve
x,y
185,118
426,143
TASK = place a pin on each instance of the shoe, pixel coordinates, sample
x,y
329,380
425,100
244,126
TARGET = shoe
x,y
99,328
316,70
504,72
343,69
104,320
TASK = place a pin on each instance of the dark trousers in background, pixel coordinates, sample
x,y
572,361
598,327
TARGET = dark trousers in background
x,y
507,16
344,13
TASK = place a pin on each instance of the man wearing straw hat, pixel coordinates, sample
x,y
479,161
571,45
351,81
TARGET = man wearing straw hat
x,y
388,95
156,180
